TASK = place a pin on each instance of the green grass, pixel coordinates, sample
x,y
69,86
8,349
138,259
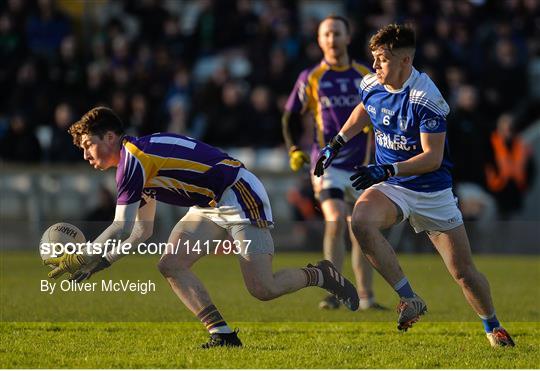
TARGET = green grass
x,y
268,345
114,330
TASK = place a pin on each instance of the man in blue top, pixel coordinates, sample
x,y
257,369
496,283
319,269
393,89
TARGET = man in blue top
x,y
411,178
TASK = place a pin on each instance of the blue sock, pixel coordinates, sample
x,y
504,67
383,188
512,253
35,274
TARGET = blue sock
x,y
490,322
404,289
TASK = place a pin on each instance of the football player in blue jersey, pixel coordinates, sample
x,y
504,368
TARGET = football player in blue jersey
x,y
411,178
328,92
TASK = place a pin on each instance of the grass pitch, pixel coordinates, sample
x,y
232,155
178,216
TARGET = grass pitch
x,y
129,330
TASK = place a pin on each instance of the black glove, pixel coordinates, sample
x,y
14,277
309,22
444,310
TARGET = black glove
x,y
366,176
327,154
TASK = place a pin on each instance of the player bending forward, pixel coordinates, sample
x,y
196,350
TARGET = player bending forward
x,y
412,177
222,194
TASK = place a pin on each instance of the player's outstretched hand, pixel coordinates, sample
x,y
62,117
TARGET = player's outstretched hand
x,y
366,176
69,263
86,271
328,154
297,158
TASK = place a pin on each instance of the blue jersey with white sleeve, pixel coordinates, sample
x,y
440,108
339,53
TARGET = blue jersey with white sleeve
x,y
398,117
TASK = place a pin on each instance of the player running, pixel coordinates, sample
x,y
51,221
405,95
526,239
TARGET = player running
x,y
329,93
222,194
412,177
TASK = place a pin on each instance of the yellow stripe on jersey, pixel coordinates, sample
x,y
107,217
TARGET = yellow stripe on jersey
x,y
313,93
153,163
247,201
250,201
180,164
177,186
260,222
160,182
363,70
194,189
149,167
230,162
163,182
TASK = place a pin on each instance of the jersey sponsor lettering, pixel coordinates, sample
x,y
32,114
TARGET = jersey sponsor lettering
x,y
340,101
371,109
395,142
387,111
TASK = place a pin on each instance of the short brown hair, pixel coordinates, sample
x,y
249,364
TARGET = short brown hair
x,y
97,121
393,36
335,17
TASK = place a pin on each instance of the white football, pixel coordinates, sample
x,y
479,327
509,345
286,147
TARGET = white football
x,y
58,237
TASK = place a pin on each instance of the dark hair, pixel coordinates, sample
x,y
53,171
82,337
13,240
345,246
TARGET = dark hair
x,y
393,36
338,18
97,121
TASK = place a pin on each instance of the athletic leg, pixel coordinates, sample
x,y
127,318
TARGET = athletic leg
x,y
438,214
363,273
264,284
334,212
454,248
375,211
256,265
175,265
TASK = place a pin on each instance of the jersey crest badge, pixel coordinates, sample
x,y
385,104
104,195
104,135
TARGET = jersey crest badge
x,y
403,123
432,124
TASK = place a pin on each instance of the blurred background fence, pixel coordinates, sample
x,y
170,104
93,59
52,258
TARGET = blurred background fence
x,y
34,197
221,70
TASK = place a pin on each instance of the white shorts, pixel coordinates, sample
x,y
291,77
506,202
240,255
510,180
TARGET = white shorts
x,y
334,178
197,228
426,211
244,202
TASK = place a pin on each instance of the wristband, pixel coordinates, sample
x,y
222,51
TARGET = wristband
x,y
337,142
343,136
395,168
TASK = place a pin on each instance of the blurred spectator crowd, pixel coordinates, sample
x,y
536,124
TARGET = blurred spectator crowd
x,y
221,70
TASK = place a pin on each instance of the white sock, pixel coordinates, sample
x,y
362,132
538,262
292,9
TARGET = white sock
x,y
366,303
221,330
486,317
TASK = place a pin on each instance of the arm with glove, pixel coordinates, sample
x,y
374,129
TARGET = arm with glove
x,y
130,220
429,160
355,124
291,124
